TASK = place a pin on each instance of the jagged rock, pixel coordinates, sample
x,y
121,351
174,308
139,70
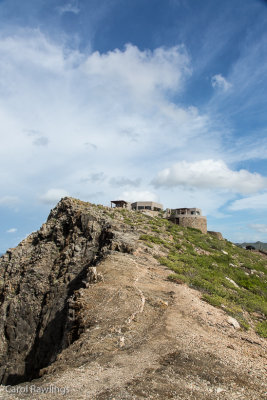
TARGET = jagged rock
x,y
41,277
231,281
218,235
233,265
232,321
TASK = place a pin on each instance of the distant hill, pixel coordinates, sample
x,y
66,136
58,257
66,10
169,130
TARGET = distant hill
x,y
257,245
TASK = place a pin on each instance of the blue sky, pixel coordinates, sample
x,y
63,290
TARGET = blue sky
x,y
137,99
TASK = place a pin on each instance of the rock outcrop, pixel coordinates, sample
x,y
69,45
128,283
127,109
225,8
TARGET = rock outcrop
x,y
39,283
218,235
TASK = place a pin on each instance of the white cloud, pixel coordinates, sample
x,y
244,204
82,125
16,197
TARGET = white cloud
x,y
210,174
53,195
139,72
8,200
64,98
257,202
71,115
12,230
135,195
218,81
262,228
69,7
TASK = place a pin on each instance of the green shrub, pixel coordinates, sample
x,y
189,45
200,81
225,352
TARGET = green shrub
x,y
213,299
261,329
177,278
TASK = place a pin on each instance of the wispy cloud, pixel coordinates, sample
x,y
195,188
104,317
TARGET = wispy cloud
x,y
245,101
94,177
41,141
52,196
135,195
90,145
122,181
257,202
69,7
219,82
262,228
12,230
9,200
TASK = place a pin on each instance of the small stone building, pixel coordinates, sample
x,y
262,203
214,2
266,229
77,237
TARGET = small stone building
x,y
138,205
121,204
146,205
188,217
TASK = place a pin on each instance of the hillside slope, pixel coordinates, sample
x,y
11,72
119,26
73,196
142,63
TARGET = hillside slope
x,y
90,306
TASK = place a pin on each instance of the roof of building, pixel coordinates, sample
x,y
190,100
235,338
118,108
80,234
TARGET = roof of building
x,y
186,208
119,201
146,202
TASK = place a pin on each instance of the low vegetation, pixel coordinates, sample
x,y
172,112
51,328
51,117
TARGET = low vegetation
x,y
228,276
261,329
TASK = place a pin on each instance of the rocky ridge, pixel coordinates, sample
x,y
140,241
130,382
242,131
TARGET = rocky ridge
x,y
86,306
39,283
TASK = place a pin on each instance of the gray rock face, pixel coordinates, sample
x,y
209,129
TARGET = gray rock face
x,y
40,279
218,235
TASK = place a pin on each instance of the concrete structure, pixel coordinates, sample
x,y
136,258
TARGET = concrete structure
x,y
121,204
188,217
146,205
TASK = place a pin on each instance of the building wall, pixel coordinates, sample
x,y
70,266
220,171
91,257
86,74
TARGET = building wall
x,y
197,222
146,205
186,211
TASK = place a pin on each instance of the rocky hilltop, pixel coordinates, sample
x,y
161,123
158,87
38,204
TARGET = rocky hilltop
x,y
90,309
